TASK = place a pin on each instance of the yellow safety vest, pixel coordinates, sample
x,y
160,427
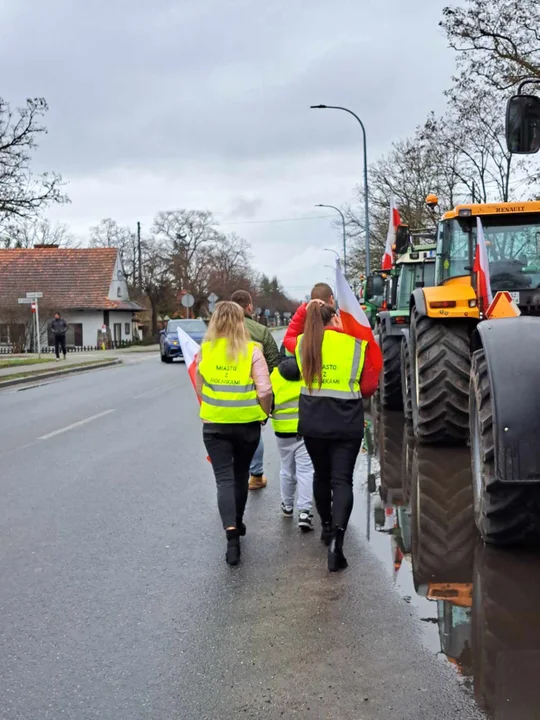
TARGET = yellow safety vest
x,y
342,363
228,392
286,397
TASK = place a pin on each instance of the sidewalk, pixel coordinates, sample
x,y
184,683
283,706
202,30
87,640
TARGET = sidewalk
x,y
72,358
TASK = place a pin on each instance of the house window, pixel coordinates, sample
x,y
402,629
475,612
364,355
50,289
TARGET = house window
x,y
119,292
4,334
74,335
128,329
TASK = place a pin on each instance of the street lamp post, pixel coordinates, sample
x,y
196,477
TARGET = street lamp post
x,y
366,188
344,234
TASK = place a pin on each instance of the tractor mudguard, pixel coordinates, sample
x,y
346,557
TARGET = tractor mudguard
x,y
385,319
512,350
405,334
418,301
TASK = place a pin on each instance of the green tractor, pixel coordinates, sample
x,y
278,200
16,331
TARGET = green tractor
x,y
414,267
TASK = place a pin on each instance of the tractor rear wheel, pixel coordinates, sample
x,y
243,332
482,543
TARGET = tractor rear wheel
x,y
442,524
505,514
390,385
406,380
440,371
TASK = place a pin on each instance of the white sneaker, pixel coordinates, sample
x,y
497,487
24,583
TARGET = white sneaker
x,y
305,520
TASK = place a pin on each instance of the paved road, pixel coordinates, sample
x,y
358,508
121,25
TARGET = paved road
x,y
116,602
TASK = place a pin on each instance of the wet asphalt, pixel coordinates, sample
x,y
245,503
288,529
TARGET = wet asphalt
x,y
116,602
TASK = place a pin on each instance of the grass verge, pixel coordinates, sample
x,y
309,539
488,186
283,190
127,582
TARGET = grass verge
x,y
57,370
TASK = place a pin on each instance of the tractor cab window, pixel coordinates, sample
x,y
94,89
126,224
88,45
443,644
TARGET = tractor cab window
x,y
513,245
413,275
455,258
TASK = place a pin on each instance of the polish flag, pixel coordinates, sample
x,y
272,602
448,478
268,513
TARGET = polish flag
x,y
190,350
395,220
481,268
354,320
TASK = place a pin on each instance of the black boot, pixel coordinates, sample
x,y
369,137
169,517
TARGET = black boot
x,y
241,527
336,558
326,533
232,556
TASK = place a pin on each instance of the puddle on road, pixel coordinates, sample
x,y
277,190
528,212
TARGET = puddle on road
x,y
478,607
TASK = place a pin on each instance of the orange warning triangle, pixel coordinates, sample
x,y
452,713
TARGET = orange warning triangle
x,y
502,307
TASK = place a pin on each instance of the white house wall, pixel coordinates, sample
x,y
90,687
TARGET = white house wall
x,y
91,321
122,317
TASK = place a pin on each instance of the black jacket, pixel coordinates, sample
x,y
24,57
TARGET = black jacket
x,y
59,327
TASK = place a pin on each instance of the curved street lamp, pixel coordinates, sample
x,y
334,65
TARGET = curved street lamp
x,y
344,234
366,189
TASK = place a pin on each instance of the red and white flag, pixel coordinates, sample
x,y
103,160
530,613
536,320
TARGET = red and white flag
x,y
190,350
353,319
395,221
481,268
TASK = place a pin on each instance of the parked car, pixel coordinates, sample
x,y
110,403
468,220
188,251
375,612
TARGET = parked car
x,y
169,345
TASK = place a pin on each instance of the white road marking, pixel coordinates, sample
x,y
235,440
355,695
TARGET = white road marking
x,y
156,391
77,424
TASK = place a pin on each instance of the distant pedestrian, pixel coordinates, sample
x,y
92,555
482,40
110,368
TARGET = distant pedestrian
x,y
59,329
236,397
320,291
262,335
336,371
296,468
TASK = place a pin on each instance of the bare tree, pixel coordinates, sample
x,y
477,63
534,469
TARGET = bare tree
x,y
109,234
23,194
497,41
28,234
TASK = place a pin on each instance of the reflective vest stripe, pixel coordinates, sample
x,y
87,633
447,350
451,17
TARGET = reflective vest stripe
x,y
286,416
229,388
291,405
358,357
337,394
218,402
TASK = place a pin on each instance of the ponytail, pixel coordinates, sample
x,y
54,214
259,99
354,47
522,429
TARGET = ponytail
x,y
318,317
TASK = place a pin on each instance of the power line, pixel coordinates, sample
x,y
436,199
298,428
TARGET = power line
x,y
253,222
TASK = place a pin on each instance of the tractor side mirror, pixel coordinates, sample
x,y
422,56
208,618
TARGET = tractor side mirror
x,y
374,287
523,124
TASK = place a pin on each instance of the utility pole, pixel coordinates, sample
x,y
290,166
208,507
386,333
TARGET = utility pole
x,y
139,253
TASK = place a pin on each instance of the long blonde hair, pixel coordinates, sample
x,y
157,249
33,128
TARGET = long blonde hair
x,y
228,322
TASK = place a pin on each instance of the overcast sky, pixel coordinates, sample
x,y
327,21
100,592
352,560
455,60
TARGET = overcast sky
x,y
161,104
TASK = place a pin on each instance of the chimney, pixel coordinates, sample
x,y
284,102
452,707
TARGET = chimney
x,y
46,246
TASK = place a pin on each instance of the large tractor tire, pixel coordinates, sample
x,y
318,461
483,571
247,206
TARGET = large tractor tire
x,y
442,523
408,457
390,430
440,371
390,382
505,514
506,632
406,380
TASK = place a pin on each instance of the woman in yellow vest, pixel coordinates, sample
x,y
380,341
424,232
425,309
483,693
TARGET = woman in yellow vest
x,y
331,419
296,468
236,396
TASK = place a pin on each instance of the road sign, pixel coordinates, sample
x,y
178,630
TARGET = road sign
x,y
34,295
188,300
258,311
212,300
267,312
25,301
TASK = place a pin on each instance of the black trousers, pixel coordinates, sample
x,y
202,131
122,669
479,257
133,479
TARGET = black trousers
x,y
231,449
333,463
60,344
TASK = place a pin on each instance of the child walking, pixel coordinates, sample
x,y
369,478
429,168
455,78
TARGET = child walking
x,y
296,471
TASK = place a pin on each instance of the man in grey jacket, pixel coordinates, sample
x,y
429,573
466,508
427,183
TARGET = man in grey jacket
x,y
59,329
